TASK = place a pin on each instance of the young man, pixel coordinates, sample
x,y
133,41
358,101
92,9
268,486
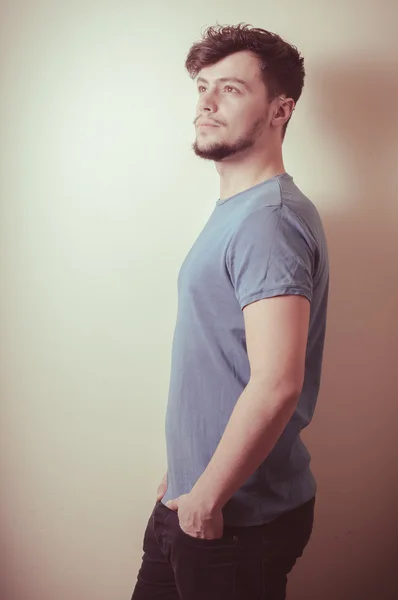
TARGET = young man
x,y
235,509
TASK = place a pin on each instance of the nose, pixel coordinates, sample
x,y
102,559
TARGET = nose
x,y
208,102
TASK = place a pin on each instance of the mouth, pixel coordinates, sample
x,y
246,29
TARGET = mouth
x,y
207,125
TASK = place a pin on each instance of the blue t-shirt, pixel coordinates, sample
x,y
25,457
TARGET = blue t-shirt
x,y
263,242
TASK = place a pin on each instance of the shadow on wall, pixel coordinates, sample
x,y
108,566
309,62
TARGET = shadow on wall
x,y
353,554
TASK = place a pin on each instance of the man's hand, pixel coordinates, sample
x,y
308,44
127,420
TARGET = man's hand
x,y
196,519
162,488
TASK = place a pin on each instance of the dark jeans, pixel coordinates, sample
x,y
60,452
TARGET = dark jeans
x,y
247,563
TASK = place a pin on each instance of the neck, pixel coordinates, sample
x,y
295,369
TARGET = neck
x,y
243,171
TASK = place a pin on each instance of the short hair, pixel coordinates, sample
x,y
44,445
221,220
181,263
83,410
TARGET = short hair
x,y
281,64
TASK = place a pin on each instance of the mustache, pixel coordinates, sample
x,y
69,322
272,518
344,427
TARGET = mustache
x,y
207,119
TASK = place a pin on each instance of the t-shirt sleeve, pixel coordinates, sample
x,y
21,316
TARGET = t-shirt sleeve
x,y
271,254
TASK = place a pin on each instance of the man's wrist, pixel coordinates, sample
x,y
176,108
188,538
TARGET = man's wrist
x,y
206,496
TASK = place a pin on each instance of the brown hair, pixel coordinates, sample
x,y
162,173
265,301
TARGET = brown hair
x,y
281,64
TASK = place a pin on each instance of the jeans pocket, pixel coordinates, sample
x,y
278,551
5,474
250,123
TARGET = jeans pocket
x,y
222,541
174,523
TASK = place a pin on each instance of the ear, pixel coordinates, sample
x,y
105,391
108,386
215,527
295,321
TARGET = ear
x,y
284,108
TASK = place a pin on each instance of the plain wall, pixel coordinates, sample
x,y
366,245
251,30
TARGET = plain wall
x,y
101,197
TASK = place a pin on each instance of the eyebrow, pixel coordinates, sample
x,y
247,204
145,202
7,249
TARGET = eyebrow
x,y
226,80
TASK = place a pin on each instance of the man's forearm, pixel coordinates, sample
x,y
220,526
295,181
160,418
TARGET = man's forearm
x,y
256,423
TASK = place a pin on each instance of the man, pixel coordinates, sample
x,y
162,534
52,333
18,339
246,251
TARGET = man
x,y
236,507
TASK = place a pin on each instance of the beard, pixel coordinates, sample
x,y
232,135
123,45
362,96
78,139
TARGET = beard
x,y
221,150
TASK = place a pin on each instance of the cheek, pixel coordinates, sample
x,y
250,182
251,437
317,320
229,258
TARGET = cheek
x,y
241,114
240,123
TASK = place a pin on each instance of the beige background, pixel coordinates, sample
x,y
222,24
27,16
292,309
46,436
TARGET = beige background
x,y
101,197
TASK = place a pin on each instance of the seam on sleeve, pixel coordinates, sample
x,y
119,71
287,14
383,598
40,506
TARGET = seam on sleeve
x,y
281,290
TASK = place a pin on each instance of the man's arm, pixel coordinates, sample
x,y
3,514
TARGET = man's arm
x,y
276,339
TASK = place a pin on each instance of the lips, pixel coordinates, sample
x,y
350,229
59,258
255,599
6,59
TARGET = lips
x,y
206,124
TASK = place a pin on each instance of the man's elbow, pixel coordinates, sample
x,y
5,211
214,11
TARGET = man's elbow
x,y
284,391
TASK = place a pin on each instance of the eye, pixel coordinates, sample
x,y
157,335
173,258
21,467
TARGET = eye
x,y
230,89
200,88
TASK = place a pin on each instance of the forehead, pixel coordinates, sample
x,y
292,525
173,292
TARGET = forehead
x,y
243,65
